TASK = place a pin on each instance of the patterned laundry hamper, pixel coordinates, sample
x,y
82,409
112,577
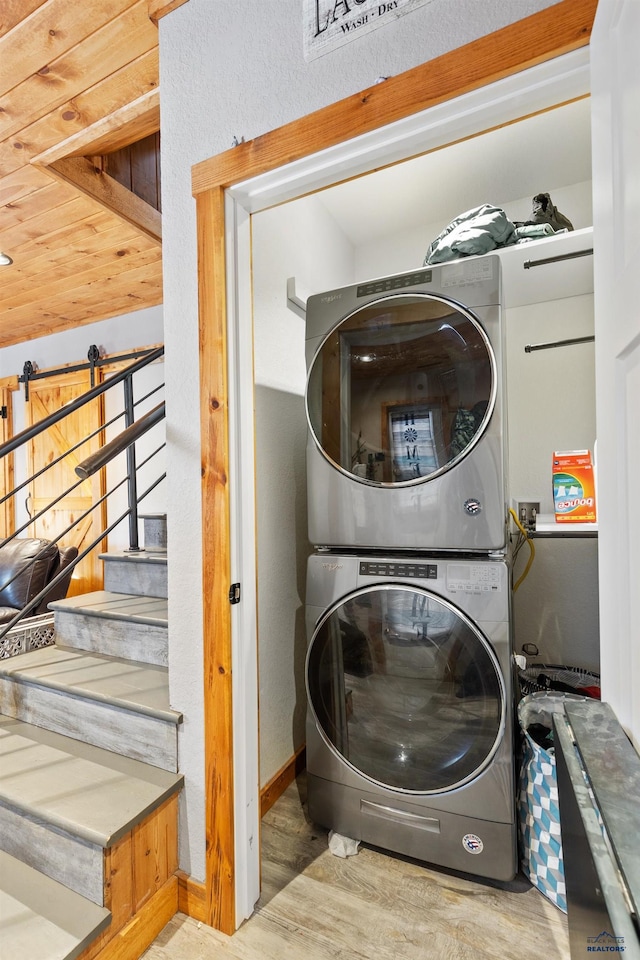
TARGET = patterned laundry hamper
x,y
553,676
537,804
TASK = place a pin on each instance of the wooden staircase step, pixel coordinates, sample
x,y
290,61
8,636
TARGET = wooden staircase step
x,y
114,624
116,606
116,704
88,760
141,573
40,919
63,802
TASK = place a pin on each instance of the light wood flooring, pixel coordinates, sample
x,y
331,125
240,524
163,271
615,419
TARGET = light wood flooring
x,y
373,906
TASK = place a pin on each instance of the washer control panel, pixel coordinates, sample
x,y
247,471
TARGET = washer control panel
x,y
402,568
473,578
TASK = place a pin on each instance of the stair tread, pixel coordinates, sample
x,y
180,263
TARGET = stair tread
x,y
127,684
142,556
40,919
116,606
86,791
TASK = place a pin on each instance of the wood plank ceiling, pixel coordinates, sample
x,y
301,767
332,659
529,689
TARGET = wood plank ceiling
x,y
77,80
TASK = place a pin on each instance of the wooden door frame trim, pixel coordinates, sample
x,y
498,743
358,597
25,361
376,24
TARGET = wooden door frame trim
x,y
160,8
552,32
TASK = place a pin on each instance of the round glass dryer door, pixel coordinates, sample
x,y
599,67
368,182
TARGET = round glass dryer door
x,y
401,389
405,689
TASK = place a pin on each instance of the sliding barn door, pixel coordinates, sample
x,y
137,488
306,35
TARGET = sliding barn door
x,y
7,511
73,513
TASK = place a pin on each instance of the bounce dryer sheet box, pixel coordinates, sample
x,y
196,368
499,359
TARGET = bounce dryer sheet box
x,y
574,496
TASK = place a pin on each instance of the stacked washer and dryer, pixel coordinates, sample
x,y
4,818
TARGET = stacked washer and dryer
x,y
409,661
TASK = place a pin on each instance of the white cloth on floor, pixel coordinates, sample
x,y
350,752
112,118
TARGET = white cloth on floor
x,y
342,846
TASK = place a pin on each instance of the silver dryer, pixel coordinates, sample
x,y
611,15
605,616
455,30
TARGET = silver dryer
x,y
406,438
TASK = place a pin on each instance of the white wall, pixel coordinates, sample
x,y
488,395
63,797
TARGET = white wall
x,y
119,335
295,240
234,68
551,393
551,406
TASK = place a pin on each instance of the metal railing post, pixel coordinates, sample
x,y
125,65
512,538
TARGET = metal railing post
x,y
132,485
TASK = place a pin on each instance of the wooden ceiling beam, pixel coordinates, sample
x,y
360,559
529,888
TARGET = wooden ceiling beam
x,y
108,97
82,174
160,8
128,124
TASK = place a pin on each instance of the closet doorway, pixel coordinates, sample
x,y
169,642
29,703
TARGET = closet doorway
x,y
226,199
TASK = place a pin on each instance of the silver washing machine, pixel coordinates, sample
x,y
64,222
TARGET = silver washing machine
x,y
410,707
404,401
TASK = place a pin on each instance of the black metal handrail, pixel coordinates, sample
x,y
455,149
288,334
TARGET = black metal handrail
x,y
123,443
119,444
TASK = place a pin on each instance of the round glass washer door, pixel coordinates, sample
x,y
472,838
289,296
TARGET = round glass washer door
x,y
405,689
401,389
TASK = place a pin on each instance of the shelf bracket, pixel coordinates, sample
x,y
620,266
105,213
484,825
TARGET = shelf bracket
x,y
295,302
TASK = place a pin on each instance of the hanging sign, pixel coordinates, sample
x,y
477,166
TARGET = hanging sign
x,y
330,23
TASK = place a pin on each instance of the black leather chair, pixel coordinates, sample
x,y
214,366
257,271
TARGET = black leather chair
x,y
26,567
